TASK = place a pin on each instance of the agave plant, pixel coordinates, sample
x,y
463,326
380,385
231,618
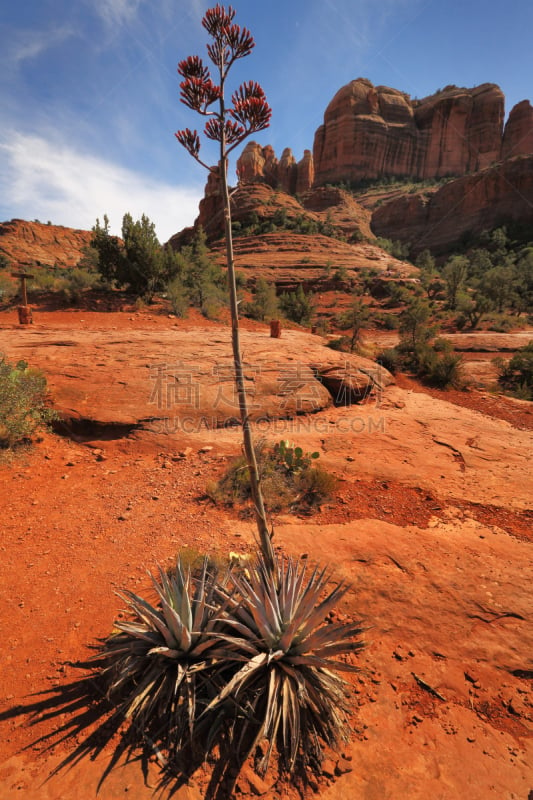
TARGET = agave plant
x,y
156,664
288,690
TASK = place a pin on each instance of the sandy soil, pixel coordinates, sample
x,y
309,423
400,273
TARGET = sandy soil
x,y
431,523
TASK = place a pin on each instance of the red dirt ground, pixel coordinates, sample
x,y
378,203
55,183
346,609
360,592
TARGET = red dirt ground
x,y
80,519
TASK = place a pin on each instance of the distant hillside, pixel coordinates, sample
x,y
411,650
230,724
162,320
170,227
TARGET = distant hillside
x,y
29,244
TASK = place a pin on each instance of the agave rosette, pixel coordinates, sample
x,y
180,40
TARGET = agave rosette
x,y
288,691
156,664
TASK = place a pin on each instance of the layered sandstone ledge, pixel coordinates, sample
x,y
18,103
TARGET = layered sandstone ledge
x,y
370,132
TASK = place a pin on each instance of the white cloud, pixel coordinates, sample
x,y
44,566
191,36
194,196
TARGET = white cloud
x,y
47,180
26,45
116,12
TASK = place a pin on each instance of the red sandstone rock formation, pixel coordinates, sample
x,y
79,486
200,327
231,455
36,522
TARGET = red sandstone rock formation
x,y
259,164
341,209
518,136
211,213
251,163
499,194
370,132
373,132
305,173
29,243
287,172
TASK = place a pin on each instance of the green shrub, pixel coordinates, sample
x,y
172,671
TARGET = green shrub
x,y
75,282
441,369
340,343
340,276
211,307
264,305
23,408
390,322
178,297
447,372
44,280
314,485
323,326
288,479
354,319
69,282
297,306
517,375
502,323
441,345
8,290
390,359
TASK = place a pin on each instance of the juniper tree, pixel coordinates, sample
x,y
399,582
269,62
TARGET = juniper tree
x,y
228,124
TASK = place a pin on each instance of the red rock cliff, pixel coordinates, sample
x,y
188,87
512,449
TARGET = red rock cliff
x,y
518,136
499,194
371,132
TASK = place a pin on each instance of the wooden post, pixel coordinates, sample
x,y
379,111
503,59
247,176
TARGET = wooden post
x,y
275,328
25,315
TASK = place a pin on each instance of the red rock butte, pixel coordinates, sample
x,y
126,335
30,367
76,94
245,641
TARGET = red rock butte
x,y
370,132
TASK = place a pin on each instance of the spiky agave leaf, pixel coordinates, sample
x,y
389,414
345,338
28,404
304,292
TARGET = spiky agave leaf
x,y
289,690
156,664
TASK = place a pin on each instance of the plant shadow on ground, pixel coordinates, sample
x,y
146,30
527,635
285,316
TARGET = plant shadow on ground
x,y
84,703
218,671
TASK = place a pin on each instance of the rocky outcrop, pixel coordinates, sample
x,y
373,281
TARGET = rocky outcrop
x,y
325,208
259,164
501,194
341,209
305,173
28,244
287,172
372,132
211,212
164,394
518,136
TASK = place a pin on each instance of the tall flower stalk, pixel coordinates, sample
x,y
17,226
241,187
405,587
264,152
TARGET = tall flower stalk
x,y
228,124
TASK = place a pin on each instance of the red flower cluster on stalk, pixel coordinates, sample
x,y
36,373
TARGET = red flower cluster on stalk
x,y
250,106
250,111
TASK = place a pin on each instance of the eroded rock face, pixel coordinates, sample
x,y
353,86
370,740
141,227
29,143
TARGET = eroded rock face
x,y
370,132
305,173
500,194
340,208
211,212
30,243
287,172
518,136
258,164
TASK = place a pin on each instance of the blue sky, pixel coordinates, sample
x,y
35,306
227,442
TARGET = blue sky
x,y
89,94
